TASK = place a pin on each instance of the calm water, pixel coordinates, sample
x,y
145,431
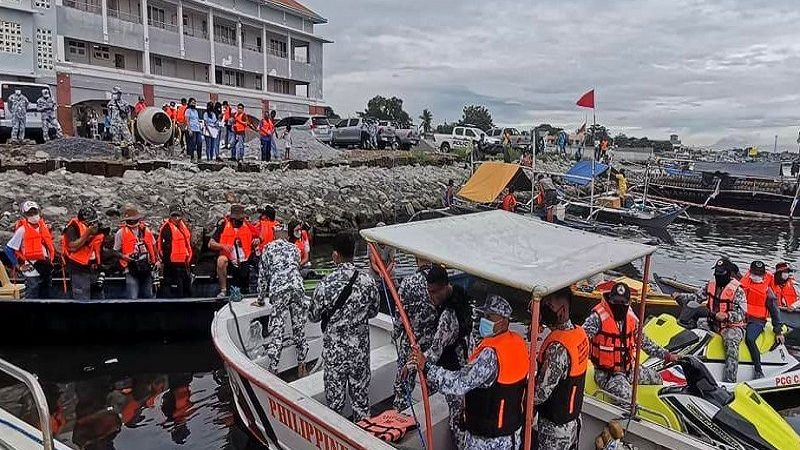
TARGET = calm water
x,y
171,396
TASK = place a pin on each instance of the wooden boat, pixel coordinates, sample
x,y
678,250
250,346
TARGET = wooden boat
x,y
287,413
640,215
657,302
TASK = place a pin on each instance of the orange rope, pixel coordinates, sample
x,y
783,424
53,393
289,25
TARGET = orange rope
x,y
423,384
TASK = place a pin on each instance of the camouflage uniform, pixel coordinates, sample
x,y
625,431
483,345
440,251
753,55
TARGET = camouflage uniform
x,y
554,369
731,336
345,344
482,373
280,284
118,110
19,111
618,384
46,107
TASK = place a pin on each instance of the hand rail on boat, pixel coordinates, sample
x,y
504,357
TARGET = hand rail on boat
x,y
30,381
638,407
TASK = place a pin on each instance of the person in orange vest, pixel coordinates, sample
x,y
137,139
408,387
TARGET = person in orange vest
x,y
509,200
265,228
81,249
180,119
227,117
31,251
612,329
299,237
233,239
727,310
175,253
761,302
561,375
136,247
784,286
493,382
239,127
266,129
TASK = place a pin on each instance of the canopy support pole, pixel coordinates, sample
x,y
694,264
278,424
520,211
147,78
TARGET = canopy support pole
x,y
423,383
527,431
639,333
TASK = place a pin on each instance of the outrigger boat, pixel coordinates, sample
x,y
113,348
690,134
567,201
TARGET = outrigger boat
x,y
521,253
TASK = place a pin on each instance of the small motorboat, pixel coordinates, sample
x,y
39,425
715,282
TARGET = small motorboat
x,y
639,214
658,302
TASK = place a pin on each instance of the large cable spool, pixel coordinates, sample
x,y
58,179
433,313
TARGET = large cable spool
x,y
154,126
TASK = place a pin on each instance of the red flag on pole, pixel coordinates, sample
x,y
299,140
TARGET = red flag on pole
x,y
587,100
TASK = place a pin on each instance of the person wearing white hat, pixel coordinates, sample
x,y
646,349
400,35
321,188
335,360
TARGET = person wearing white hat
x,y
31,251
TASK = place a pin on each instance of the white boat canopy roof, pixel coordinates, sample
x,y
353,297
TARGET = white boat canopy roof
x,y
510,249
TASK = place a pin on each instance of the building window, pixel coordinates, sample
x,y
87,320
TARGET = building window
x,y
44,4
300,54
157,69
259,84
119,61
224,34
156,17
44,49
10,37
277,48
101,52
301,90
229,77
280,86
76,48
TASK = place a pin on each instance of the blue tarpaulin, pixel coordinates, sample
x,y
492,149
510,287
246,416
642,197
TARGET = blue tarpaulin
x,y
582,172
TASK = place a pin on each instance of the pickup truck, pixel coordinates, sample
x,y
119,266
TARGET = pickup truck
x,y
406,137
464,137
386,134
517,139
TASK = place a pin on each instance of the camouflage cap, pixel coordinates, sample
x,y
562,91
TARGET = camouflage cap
x,y
496,305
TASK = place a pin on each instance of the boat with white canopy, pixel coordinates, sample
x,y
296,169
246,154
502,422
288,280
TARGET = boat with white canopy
x,y
519,252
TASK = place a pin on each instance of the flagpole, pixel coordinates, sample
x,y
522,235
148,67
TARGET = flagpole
x,y
591,193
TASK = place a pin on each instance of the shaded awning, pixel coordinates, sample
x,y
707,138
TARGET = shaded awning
x,y
510,249
582,172
489,180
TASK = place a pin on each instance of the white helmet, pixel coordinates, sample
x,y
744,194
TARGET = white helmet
x,y
28,205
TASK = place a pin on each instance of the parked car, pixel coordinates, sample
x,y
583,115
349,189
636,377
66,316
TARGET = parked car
x,y
351,131
517,139
319,126
463,138
33,123
406,137
386,134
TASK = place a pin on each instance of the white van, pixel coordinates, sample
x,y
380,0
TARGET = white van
x,y
33,124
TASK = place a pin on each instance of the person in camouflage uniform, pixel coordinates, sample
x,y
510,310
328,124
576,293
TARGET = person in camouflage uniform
x,y
618,382
479,374
19,110
553,375
345,341
280,284
118,111
730,323
47,108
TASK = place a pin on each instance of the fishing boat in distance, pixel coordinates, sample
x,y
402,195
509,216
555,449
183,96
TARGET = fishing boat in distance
x,y
533,256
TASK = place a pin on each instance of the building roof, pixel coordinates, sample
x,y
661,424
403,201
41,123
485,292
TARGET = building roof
x,y
510,249
298,7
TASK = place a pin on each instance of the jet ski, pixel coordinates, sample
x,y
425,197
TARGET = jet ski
x,y
736,418
781,367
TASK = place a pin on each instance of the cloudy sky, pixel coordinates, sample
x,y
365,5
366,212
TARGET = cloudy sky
x,y
707,70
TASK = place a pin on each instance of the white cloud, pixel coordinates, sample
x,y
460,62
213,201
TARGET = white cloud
x,y
704,69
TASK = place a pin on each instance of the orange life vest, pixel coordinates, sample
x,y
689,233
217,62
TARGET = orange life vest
x,y
242,237
181,251
131,242
498,410
266,232
226,113
266,127
181,114
303,244
34,239
84,254
611,349
239,122
510,203
756,294
723,303
787,295
565,402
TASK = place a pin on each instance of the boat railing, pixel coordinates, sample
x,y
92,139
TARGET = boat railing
x,y
30,381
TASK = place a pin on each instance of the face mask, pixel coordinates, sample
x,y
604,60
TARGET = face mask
x,y
34,219
486,327
619,311
238,222
784,276
756,278
298,234
722,280
549,317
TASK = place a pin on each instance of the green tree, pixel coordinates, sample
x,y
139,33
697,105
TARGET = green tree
x,y
477,116
383,108
426,117
445,128
331,114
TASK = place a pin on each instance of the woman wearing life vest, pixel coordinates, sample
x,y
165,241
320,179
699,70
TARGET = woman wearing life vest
x,y
81,249
265,228
239,127
727,307
136,247
227,133
493,382
175,252
784,287
233,239
266,129
299,237
31,251
180,119
761,302
612,328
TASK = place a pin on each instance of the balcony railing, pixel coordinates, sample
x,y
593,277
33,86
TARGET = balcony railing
x,y
251,47
123,15
163,25
277,52
195,32
84,6
225,40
